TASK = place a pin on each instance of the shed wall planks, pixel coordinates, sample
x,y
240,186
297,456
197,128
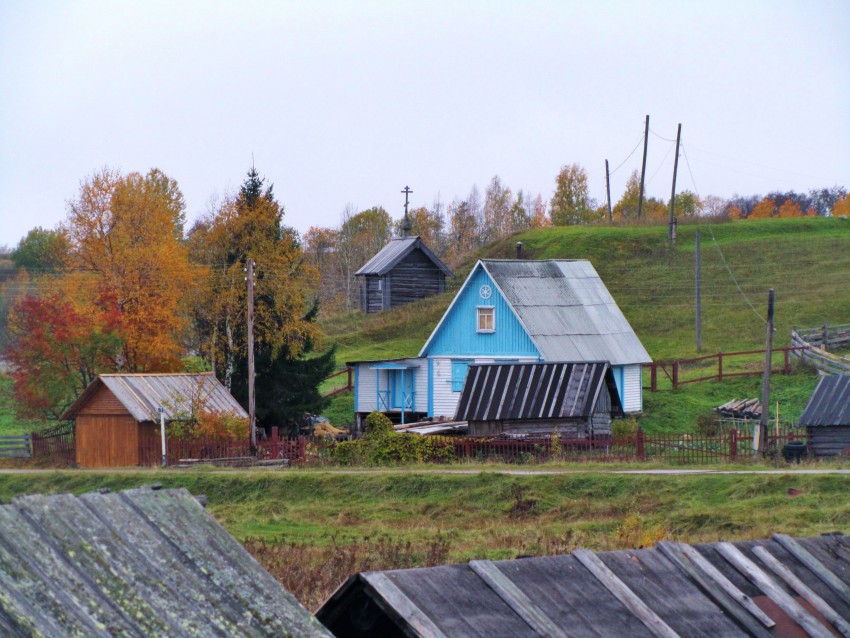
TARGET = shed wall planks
x,y
107,441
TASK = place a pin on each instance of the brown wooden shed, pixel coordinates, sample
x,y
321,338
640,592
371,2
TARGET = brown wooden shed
x,y
117,412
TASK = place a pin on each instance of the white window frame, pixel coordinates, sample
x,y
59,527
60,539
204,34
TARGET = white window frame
x,y
478,316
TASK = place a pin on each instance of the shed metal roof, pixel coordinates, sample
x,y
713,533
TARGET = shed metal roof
x,y
138,563
829,403
776,587
530,391
396,250
143,394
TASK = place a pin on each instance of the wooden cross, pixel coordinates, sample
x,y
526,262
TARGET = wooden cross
x,y
405,227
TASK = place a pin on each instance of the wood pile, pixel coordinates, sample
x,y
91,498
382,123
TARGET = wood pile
x,y
740,409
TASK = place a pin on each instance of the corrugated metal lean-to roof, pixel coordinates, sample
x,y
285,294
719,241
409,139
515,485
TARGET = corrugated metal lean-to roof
x,y
528,391
829,403
143,394
780,587
396,250
139,563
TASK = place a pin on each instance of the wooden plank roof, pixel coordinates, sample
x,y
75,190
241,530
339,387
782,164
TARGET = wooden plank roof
x,y
144,562
829,403
143,394
397,249
774,587
527,391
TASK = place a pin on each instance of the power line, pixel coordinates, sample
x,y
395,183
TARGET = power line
x,y
723,259
628,156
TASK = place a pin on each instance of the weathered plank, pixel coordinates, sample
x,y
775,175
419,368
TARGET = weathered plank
x,y
748,568
406,608
802,589
732,600
516,599
624,594
814,565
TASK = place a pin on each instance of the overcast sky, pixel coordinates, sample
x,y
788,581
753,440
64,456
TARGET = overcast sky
x,y
347,102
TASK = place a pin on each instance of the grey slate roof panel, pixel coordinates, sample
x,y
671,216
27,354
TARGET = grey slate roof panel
x,y
529,391
137,563
575,597
397,249
830,402
566,308
142,395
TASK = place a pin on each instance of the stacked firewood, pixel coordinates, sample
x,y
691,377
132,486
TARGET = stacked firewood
x,y
740,409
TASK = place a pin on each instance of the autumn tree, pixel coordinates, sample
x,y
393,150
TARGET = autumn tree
x,y
571,203
764,209
687,204
790,208
841,208
627,206
498,201
427,224
360,236
465,234
246,226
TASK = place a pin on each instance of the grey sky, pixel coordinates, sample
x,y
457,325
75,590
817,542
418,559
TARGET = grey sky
x,y
349,101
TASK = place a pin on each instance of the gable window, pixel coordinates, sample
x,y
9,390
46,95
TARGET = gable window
x,y
486,319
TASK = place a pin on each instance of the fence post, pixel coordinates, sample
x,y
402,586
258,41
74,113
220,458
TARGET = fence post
x,y
653,375
733,444
720,366
641,452
675,375
825,338
787,368
275,443
350,384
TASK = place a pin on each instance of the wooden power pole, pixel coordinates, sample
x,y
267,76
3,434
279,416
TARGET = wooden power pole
x,y
608,189
671,234
698,291
252,403
761,436
643,166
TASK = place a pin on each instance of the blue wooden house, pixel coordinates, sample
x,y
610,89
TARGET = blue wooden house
x,y
508,311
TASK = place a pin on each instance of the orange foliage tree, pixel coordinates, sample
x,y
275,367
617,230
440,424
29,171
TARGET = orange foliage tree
x,y
842,207
789,208
764,209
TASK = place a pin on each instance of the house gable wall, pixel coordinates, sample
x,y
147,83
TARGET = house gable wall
x,y
457,334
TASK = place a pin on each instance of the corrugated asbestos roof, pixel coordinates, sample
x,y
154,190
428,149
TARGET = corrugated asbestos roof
x,y
139,563
396,250
143,394
829,403
780,587
567,310
527,391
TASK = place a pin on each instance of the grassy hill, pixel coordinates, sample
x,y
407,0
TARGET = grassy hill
x,y
806,261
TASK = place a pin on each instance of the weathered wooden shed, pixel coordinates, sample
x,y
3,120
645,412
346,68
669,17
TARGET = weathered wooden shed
x,y
402,271
144,562
827,416
118,412
577,398
779,587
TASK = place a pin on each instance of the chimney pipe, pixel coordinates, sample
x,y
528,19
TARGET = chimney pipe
x,y
519,250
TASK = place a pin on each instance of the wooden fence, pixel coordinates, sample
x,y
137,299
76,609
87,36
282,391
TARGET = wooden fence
x,y
814,346
17,446
717,367
55,445
338,382
224,451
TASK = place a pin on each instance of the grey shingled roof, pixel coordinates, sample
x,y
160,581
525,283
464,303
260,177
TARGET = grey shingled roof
x,y
567,310
143,394
747,588
396,250
829,403
529,391
139,563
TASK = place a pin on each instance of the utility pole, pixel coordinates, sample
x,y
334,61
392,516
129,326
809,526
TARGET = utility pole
x,y
608,189
672,231
765,389
699,298
643,167
252,403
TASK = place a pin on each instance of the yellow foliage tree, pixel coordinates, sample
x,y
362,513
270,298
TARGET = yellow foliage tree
x,y
842,207
790,208
128,262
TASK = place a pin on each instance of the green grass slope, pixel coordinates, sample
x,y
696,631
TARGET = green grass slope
x,y
806,261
